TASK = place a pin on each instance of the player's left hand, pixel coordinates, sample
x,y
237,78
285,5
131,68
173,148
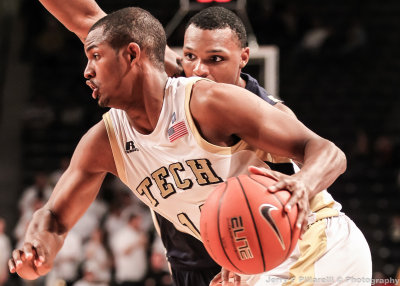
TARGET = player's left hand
x,y
296,187
227,278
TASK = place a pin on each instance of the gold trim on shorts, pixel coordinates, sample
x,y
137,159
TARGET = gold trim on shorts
x,y
312,247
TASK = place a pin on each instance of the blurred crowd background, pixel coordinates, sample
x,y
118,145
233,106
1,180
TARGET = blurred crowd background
x,y
339,69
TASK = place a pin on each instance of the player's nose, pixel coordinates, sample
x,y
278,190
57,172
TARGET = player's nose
x,y
201,69
88,73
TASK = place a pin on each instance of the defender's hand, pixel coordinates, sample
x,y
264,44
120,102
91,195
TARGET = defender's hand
x,y
296,187
172,62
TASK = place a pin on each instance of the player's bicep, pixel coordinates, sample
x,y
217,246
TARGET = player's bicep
x,y
272,130
231,110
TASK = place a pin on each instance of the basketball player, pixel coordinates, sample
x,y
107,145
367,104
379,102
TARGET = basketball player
x,y
172,172
198,257
189,261
215,47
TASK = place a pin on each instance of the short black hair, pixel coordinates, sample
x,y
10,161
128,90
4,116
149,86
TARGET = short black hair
x,y
215,17
136,25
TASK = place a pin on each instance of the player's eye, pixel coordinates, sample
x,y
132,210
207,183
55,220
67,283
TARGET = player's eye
x,y
96,56
216,59
189,56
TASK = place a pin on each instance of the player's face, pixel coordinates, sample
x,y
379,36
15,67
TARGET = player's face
x,y
104,71
213,54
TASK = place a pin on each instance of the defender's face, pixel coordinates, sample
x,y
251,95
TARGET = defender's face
x,y
213,54
104,70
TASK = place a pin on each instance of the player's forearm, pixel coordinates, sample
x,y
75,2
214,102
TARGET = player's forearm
x,y
78,16
323,163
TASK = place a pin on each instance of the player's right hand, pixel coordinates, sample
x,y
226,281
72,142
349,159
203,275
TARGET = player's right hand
x,y
299,193
29,262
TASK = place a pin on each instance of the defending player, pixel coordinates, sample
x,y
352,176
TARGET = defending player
x,y
215,47
130,76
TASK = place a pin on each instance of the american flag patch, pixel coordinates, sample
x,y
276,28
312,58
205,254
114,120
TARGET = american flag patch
x,y
177,131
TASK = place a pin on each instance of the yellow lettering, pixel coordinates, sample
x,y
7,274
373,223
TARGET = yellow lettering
x,y
166,189
203,171
183,185
144,189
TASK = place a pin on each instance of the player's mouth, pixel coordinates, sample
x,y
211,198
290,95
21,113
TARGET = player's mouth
x,y
95,93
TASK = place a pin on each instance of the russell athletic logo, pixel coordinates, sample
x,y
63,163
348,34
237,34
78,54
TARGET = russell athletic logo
x,y
130,147
265,210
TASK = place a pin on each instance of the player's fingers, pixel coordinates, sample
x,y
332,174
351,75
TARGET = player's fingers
x,y
225,275
264,171
282,184
11,265
303,227
40,256
293,200
28,251
301,218
236,280
299,194
216,280
16,256
282,179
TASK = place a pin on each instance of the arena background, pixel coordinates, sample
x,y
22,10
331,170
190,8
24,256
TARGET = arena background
x,y
338,70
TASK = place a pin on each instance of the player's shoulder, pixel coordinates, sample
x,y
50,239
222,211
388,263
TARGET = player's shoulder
x,y
97,134
94,151
207,97
210,92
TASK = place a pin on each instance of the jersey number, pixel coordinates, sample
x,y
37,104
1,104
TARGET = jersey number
x,y
185,221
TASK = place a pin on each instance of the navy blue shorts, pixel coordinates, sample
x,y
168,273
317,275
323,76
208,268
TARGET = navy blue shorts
x,y
198,277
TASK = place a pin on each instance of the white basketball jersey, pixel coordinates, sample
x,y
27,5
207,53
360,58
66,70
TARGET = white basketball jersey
x,y
173,169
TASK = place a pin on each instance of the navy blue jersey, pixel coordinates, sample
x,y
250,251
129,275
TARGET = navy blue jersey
x,y
253,86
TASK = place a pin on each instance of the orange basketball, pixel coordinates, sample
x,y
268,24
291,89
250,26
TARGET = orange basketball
x,y
245,228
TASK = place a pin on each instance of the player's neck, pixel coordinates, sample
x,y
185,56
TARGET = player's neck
x,y
241,82
145,111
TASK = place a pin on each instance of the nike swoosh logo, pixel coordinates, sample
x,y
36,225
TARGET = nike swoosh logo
x,y
265,211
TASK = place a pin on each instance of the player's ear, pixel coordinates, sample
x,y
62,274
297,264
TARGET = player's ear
x,y
133,52
244,57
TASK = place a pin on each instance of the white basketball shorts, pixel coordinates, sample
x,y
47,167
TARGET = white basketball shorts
x,y
333,251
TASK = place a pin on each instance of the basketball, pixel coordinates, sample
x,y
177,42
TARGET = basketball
x,y
245,228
